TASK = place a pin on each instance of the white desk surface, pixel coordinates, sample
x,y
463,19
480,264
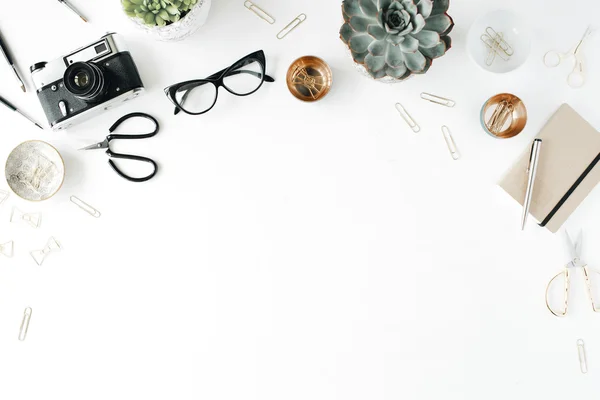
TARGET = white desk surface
x,y
289,250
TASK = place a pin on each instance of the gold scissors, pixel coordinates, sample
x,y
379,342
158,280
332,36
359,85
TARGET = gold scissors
x,y
576,262
554,58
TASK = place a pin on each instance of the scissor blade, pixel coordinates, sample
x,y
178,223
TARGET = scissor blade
x,y
574,247
101,145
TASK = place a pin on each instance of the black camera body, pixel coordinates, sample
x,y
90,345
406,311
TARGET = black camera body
x,y
92,79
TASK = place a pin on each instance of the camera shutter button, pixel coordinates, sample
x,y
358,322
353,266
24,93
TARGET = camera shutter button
x,y
63,108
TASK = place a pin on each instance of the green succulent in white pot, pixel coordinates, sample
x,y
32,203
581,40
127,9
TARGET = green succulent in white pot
x,y
393,39
168,20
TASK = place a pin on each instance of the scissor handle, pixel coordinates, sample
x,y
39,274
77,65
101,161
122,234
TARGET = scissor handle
x,y
553,58
560,313
133,158
576,78
130,136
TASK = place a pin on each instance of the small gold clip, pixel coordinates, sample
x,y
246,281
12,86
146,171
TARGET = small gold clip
x,y
25,323
438,100
85,207
259,11
582,356
406,116
291,26
450,142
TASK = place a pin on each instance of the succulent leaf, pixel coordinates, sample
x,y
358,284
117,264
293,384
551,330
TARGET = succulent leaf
x,y
368,7
395,38
158,12
440,23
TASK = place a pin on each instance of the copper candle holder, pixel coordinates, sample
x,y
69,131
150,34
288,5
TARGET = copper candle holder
x,y
309,78
503,116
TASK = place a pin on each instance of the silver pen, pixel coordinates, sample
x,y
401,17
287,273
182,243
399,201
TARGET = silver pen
x,y
70,7
534,158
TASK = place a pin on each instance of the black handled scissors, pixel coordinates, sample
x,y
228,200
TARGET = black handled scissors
x,y
106,145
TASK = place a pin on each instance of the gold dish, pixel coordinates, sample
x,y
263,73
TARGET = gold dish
x,y
309,78
503,116
35,170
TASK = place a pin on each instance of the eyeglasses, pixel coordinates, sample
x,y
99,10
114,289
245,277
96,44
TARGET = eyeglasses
x,y
242,78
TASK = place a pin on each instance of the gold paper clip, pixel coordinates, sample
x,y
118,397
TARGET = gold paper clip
x,y
85,207
3,196
501,115
450,142
7,249
496,46
25,323
406,116
582,356
438,100
259,11
291,26
40,255
33,219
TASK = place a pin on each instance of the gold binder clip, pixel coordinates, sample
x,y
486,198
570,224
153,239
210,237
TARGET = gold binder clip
x,y
450,142
406,116
291,26
259,11
25,323
438,100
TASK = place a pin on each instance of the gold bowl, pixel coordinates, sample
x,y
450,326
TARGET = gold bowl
x,y
309,78
503,116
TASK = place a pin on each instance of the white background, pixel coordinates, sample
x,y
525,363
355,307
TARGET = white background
x,y
289,250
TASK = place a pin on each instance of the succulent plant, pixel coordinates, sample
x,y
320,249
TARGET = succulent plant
x,y
396,38
158,12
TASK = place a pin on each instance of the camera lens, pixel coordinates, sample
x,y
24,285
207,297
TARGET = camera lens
x,y
85,81
82,80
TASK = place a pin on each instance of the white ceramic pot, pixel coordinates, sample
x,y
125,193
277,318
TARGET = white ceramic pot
x,y
181,29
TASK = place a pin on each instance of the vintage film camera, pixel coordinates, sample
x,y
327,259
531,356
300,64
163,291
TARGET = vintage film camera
x,y
81,85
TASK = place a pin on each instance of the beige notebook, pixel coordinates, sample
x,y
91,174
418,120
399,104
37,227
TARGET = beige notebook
x,y
568,169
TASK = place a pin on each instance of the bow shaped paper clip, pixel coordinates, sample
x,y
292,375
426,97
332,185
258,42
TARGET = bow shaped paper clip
x,y
33,219
40,255
7,249
3,196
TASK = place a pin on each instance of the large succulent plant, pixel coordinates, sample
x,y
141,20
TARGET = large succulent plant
x,y
396,38
158,12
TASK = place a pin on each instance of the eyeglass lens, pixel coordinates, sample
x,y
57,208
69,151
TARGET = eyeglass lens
x,y
200,96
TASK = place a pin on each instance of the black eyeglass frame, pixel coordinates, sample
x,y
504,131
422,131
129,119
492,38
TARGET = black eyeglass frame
x,y
218,78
